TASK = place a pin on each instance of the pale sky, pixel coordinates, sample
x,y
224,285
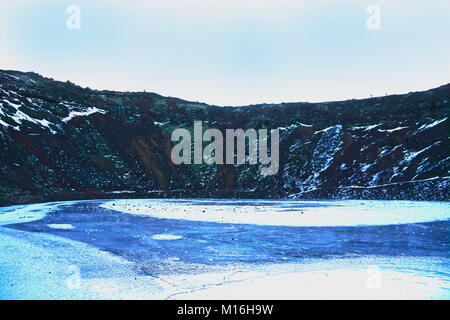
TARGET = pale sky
x,y
233,52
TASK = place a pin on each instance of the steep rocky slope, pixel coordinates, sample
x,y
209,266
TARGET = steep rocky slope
x,y
60,141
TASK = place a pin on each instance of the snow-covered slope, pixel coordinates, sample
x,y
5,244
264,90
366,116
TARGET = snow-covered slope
x,y
61,141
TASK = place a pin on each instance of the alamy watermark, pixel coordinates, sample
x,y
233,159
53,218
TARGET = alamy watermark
x,y
374,279
73,281
236,141
374,20
74,20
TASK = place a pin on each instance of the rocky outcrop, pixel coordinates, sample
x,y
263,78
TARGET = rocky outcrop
x,y
60,141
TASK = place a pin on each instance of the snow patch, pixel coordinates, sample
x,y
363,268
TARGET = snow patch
x,y
392,130
160,124
122,191
413,155
433,124
84,113
166,237
366,128
20,116
62,226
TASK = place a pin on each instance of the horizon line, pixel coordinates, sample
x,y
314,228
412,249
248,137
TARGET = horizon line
x,y
222,106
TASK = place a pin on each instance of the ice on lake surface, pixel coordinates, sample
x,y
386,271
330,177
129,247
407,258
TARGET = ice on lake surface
x,y
225,249
289,213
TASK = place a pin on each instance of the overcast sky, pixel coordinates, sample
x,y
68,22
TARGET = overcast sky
x,y
233,52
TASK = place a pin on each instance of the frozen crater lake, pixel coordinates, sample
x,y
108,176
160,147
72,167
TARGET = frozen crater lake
x,y
225,249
